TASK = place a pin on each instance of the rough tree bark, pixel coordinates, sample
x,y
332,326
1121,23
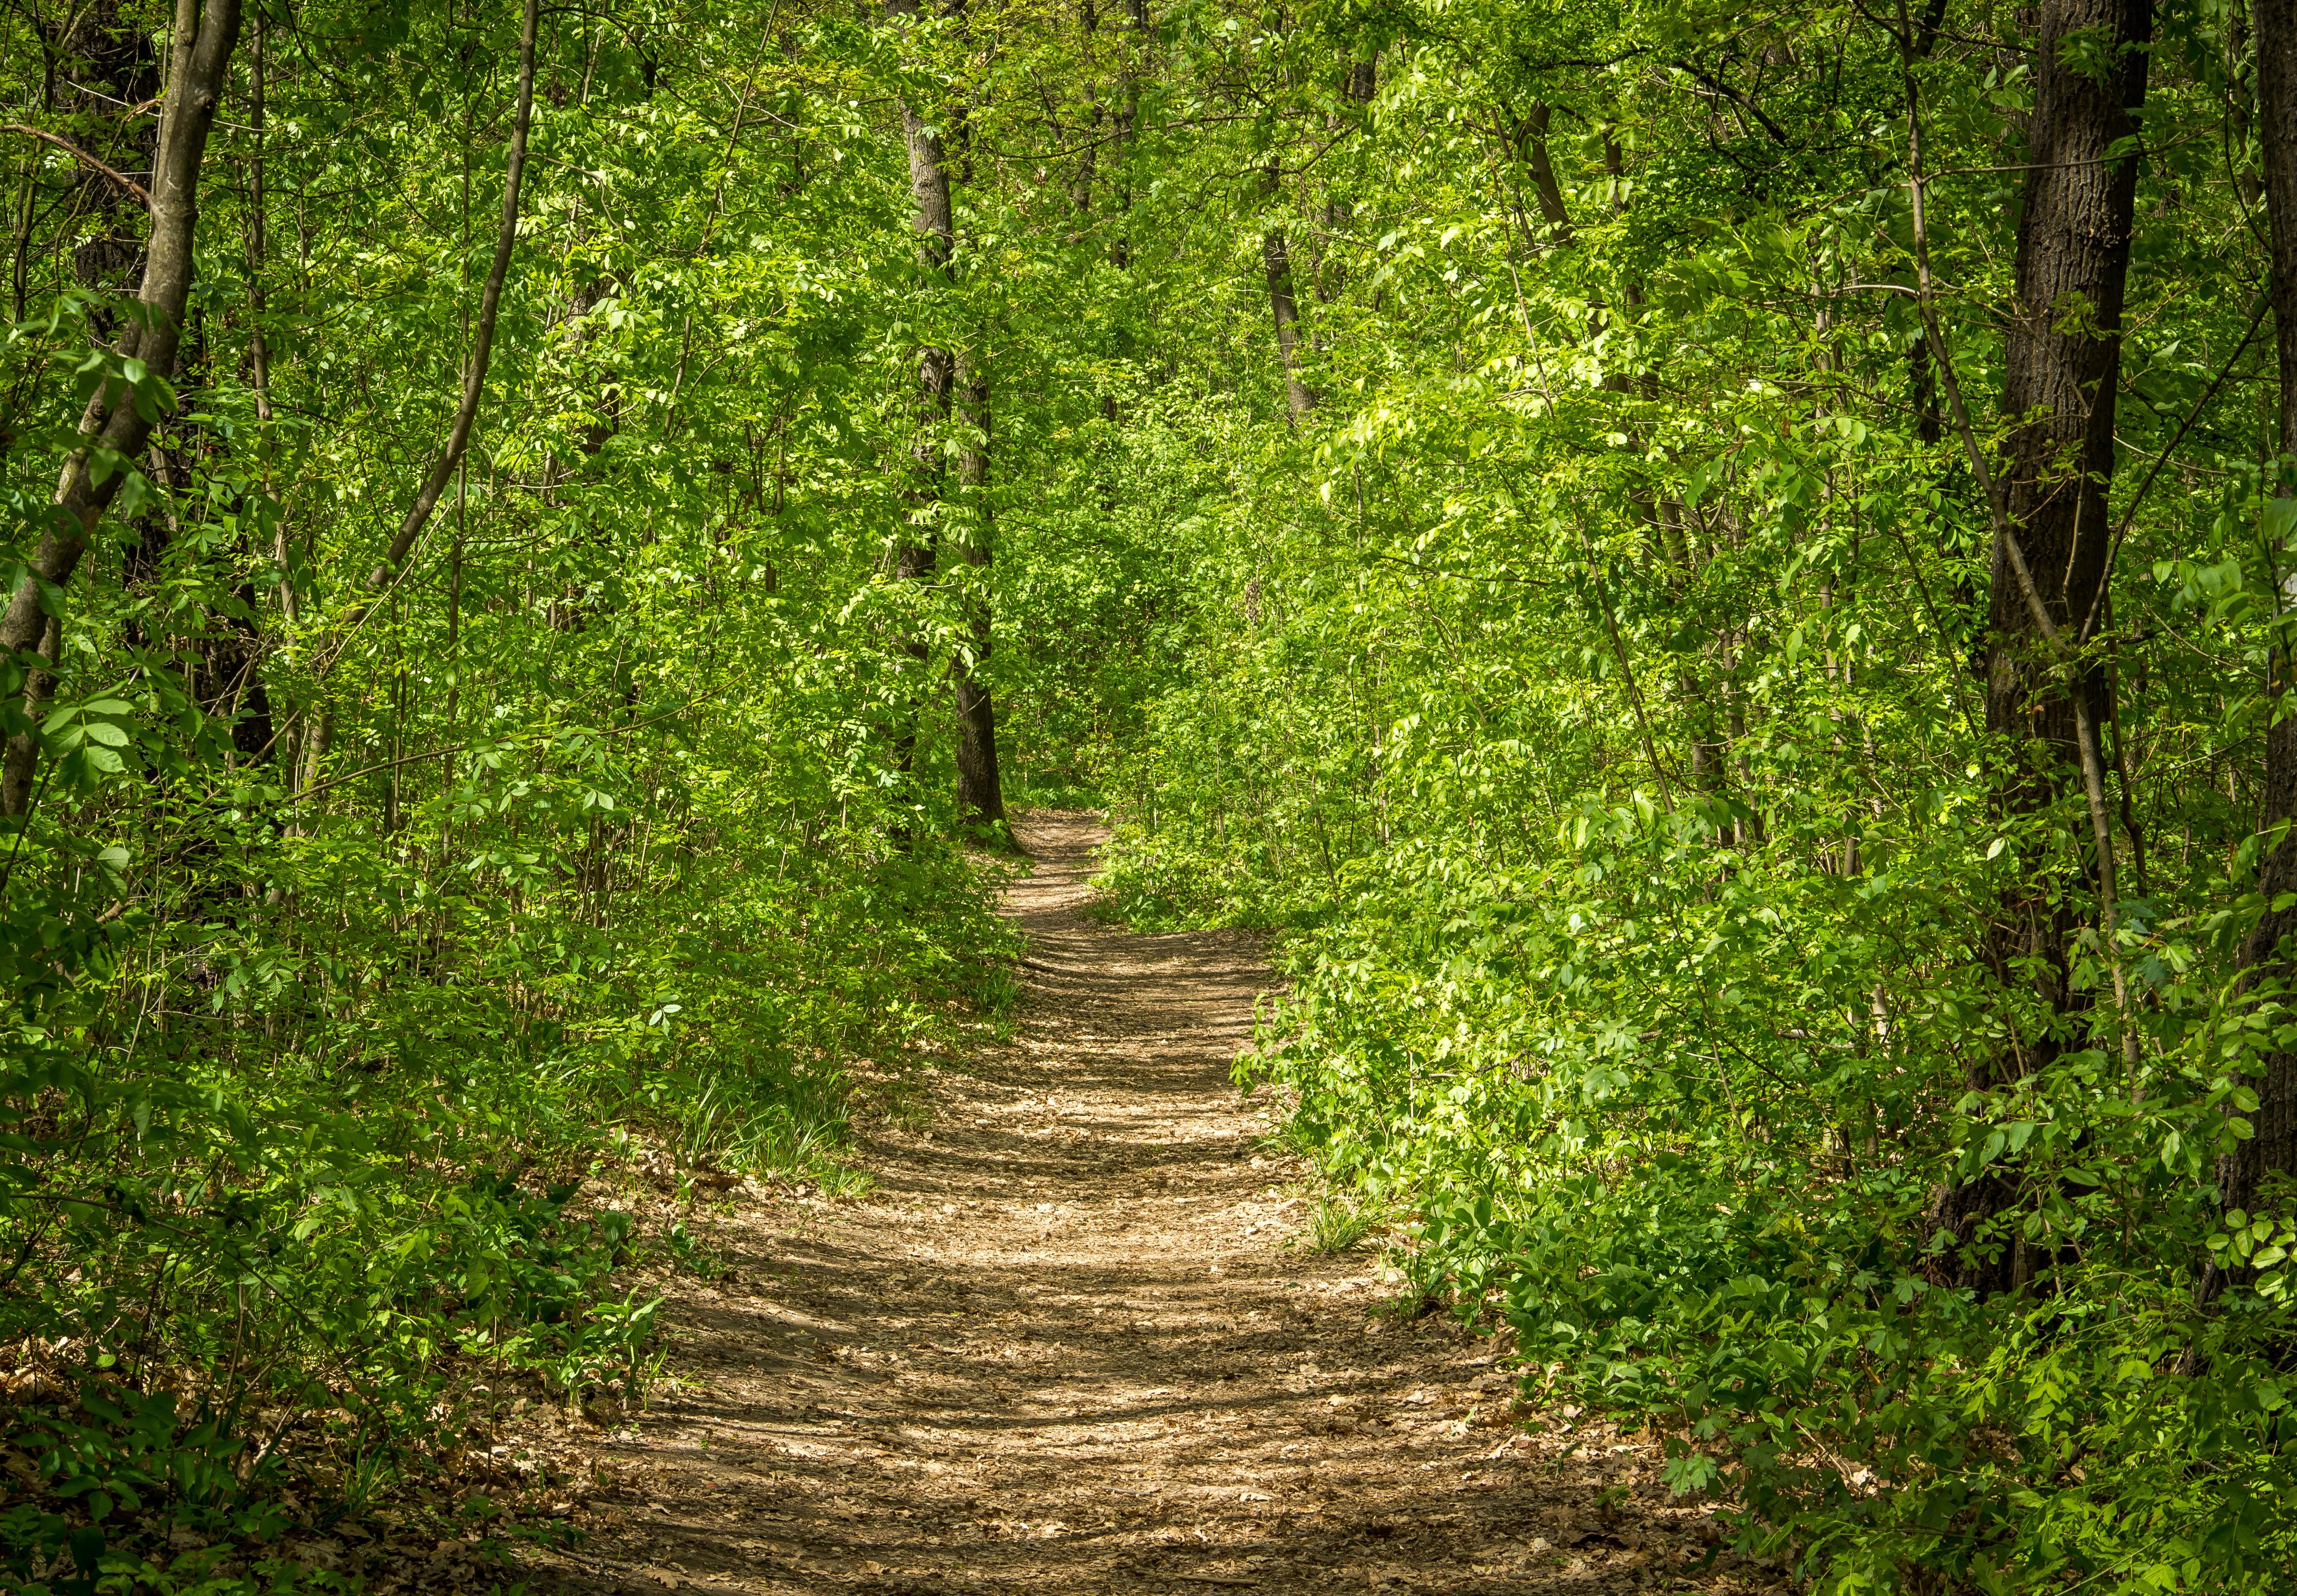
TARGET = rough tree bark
x,y
2272,1149
2062,369
113,427
103,57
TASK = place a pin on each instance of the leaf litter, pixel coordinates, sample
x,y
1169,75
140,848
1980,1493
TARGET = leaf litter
x,y
1069,1339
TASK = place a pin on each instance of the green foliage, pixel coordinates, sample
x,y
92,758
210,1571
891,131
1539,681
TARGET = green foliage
x,y
1584,695
377,962
1337,1224
1563,643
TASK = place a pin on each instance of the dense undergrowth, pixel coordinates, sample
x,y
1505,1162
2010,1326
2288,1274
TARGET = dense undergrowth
x,y
1679,1114
303,1190
1596,705
1520,498
396,964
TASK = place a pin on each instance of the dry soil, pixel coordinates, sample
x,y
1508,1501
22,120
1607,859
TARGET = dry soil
x,y
1071,1341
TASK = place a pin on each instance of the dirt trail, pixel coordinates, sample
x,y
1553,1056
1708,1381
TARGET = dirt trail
x,y
1065,1344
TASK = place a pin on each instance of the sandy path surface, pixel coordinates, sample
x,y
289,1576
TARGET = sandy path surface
x,y
1067,1343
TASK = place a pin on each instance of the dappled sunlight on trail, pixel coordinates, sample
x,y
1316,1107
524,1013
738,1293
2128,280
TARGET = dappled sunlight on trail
x,y
1066,1344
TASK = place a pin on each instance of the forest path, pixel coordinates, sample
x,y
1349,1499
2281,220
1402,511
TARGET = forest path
x,y
1063,1344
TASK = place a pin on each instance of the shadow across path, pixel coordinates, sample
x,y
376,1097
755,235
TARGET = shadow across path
x,y
1066,1343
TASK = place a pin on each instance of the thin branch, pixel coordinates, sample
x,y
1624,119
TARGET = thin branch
x,y
465,747
474,376
83,157
1778,135
2113,550
1634,693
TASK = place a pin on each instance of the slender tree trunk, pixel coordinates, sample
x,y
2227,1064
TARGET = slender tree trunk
x,y
1544,183
980,787
2062,369
933,216
1359,82
20,250
111,420
1276,261
259,350
1128,128
1930,426
475,365
2272,1146
1088,162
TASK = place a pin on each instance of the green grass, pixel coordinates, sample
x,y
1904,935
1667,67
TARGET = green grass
x,y
1338,1224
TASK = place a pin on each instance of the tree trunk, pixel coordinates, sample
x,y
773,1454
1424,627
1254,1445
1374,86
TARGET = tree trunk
x,y
980,787
109,64
1128,128
2272,1146
112,421
2062,369
474,366
1551,209
934,215
1276,260
1080,186
1359,82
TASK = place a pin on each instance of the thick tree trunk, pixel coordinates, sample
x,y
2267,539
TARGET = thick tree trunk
x,y
2272,1146
112,421
2062,369
108,60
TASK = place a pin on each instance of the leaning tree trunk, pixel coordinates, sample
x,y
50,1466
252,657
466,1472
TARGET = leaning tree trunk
x,y
112,421
2273,1146
475,369
450,463
2062,369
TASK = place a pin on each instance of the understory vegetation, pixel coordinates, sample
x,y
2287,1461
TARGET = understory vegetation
x,y
1817,1009
1716,577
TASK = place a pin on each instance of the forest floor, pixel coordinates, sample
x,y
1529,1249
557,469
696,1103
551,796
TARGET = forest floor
x,y
1071,1340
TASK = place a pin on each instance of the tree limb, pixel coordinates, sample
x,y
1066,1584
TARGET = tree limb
x,y
475,373
82,156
